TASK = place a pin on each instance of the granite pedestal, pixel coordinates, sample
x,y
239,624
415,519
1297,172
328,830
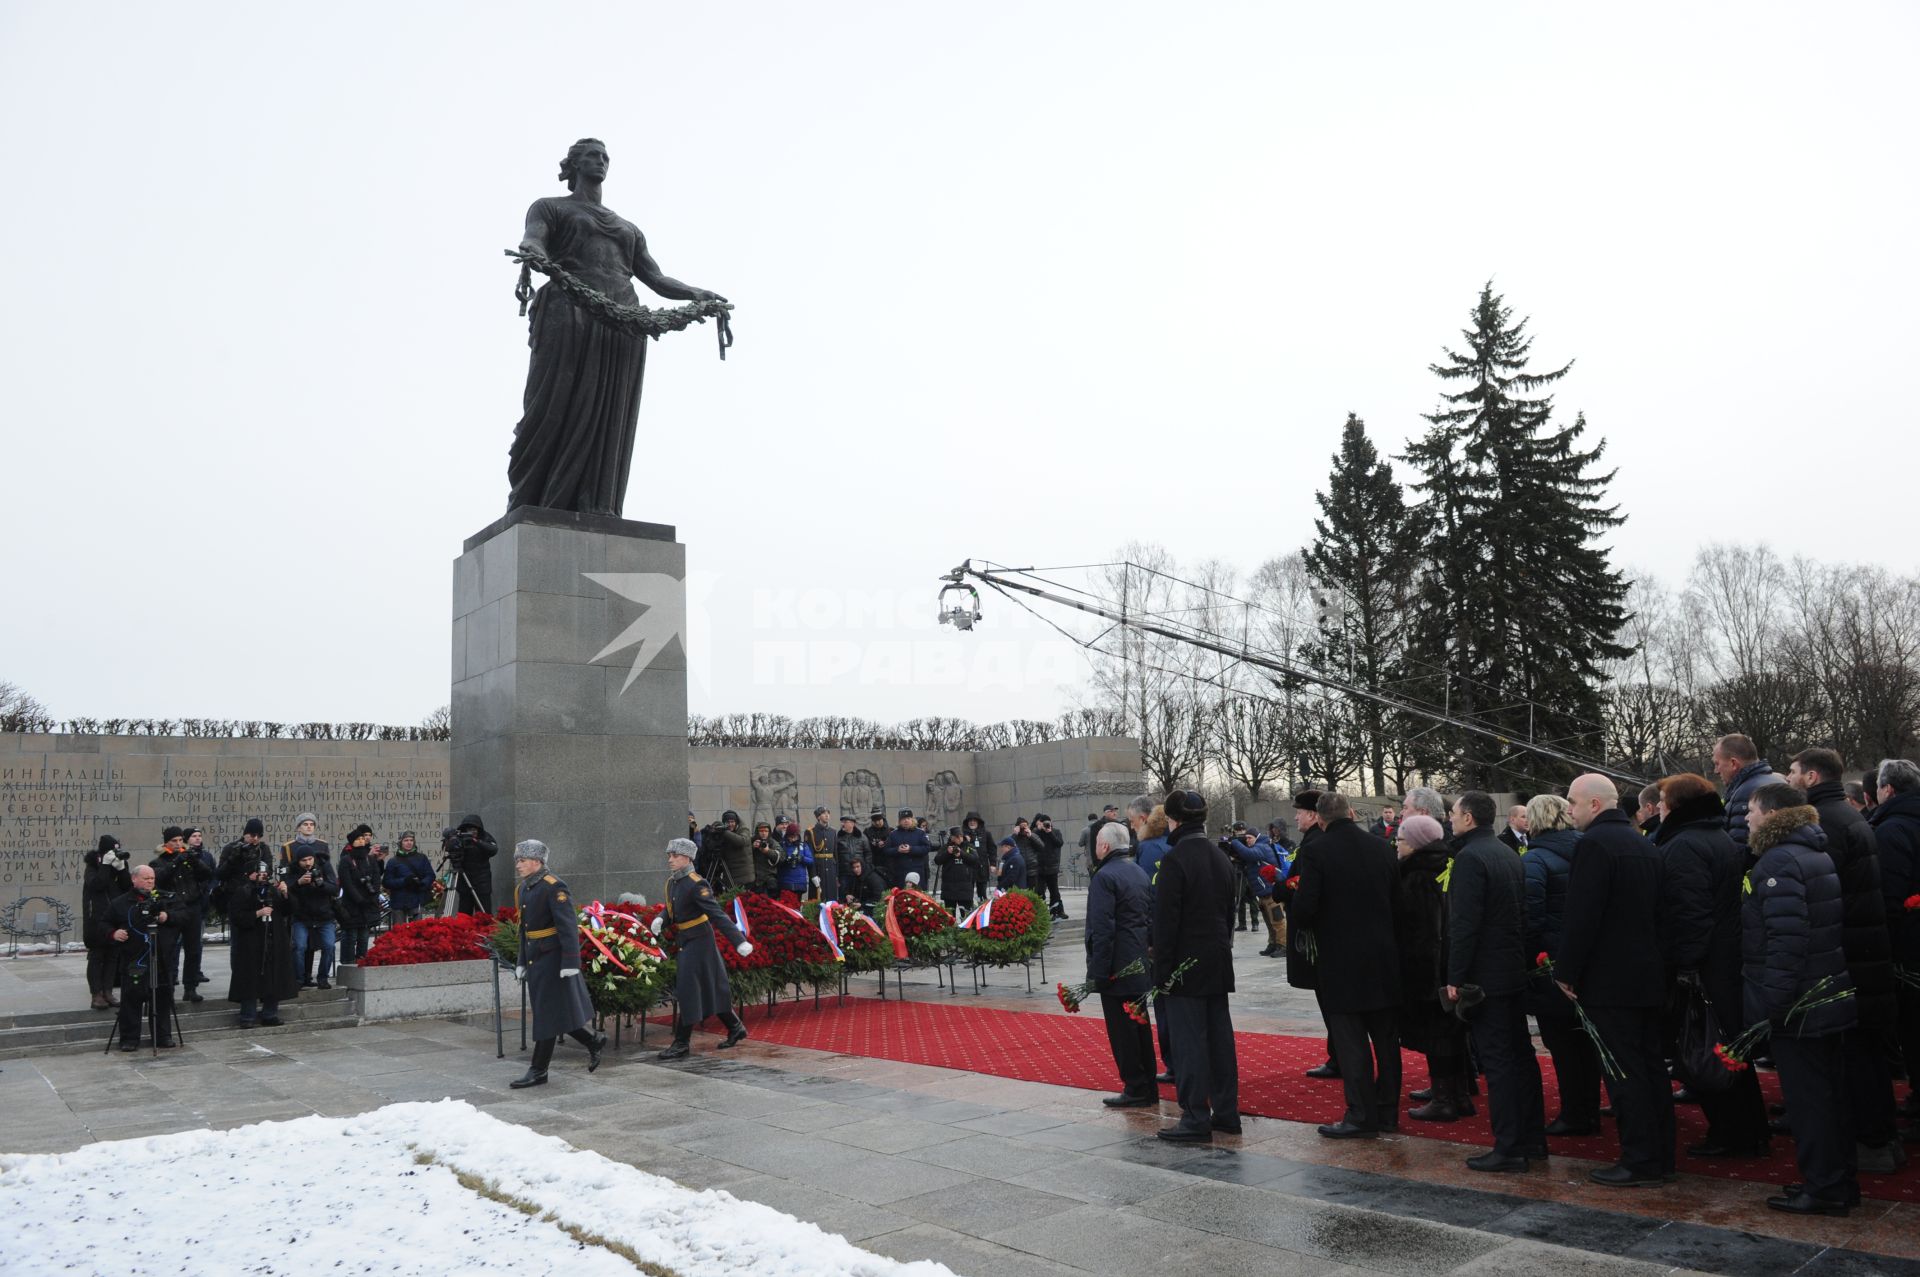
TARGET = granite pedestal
x,y
570,695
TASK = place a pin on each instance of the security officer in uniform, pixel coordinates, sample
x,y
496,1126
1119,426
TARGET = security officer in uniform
x,y
700,977
550,964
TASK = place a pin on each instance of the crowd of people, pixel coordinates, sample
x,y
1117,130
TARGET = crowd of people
x,y
842,860
291,913
1665,942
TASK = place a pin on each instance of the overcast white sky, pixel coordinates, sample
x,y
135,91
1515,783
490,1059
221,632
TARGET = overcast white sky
x,y
262,362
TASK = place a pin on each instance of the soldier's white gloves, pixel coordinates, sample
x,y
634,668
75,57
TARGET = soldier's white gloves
x,y
569,971
659,923
519,973
816,883
744,948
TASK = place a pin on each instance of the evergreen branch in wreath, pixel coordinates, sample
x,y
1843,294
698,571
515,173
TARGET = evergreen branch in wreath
x,y
640,321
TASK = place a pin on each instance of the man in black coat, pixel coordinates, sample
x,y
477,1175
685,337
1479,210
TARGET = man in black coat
x,y
1045,862
260,912
1896,827
182,877
1301,970
1119,928
1193,935
1703,869
1611,959
1345,901
472,855
1870,1045
1486,937
147,944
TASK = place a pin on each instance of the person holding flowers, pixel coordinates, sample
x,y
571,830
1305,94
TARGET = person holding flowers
x,y
1792,917
700,986
1612,961
1193,936
1119,926
550,963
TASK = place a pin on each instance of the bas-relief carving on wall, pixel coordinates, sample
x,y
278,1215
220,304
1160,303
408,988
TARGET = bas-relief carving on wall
x,y
862,793
776,793
944,802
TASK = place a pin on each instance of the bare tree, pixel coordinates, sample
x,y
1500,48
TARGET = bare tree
x,y
20,712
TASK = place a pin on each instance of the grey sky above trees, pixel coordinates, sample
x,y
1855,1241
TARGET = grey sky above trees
x,y
262,361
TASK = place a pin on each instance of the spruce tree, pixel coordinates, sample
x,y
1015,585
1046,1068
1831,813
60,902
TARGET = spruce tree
x,y
1362,561
1518,604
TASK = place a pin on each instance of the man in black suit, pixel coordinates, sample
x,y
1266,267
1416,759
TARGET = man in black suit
x,y
1345,900
1486,938
1611,960
1193,923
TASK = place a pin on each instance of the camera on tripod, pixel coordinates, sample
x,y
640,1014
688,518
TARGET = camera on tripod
x,y
454,844
146,913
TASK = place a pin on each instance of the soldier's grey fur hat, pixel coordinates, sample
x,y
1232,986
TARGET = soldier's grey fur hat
x,y
682,847
531,849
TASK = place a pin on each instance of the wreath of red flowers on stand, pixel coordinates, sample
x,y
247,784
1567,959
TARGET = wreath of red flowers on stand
x,y
1017,929
922,922
787,949
862,943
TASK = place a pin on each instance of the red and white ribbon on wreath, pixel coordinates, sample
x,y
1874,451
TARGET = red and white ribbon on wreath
x,y
979,919
827,930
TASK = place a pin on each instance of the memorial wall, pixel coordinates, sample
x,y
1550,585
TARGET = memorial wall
x,y
58,794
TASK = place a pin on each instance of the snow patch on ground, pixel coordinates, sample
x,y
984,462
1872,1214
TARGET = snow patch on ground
x,y
346,1195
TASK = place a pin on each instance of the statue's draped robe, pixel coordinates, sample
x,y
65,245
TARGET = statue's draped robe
x,y
574,443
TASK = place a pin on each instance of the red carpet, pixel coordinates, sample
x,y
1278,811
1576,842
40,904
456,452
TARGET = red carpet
x,y
1072,1051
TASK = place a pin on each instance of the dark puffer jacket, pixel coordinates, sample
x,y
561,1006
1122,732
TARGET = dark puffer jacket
x,y
1548,866
1791,924
1749,778
1700,904
1896,824
1854,850
1486,915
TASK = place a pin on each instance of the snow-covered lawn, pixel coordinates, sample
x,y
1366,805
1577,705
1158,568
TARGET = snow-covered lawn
x,y
378,1194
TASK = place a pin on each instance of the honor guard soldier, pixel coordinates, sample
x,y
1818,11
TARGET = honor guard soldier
x,y
550,964
700,978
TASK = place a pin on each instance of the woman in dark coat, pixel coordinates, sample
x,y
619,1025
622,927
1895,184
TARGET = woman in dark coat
x,y
260,918
408,879
360,905
1420,933
1549,867
106,877
700,987
1701,906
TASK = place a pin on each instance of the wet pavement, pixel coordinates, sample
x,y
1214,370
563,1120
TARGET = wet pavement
x,y
989,1175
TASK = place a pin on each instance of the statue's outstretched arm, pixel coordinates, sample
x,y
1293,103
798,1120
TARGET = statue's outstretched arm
x,y
647,271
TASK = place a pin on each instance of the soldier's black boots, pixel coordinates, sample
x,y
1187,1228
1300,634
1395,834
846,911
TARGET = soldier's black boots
x,y
593,1052
736,1033
529,1078
677,1050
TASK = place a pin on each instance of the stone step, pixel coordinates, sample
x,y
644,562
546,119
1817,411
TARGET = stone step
x,y
10,1050
56,1029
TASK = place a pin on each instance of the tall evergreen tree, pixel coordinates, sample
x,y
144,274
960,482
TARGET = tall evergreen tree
x,y
1519,604
1362,560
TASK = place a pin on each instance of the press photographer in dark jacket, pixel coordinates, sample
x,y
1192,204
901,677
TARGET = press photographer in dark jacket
x,y
106,877
1896,827
1193,921
1793,917
147,946
1872,1043
1486,928
1046,842
471,854
360,904
314,889
260,913
1703,869
1613,960
182,877
956,862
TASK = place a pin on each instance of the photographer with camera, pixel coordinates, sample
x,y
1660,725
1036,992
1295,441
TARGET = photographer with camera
x,y
260,911
958,863
724,856
796,862
106,877
360,903
182,877
146,946
314,889
1046,842
408,879
467,849
765,849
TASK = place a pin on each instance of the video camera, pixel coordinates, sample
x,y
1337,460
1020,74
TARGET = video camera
x,y
147,911
454,843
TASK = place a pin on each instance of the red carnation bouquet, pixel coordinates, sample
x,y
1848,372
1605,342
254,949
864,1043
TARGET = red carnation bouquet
x,y
787,949
1072,995
459,938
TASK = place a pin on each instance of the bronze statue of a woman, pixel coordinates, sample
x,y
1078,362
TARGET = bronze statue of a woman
x,y
574,443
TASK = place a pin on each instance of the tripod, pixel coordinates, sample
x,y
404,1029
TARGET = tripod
x,y
153,1013
450,900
